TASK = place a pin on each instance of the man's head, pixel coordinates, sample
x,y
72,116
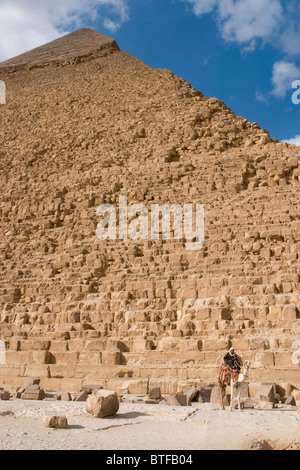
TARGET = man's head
x,y
231,350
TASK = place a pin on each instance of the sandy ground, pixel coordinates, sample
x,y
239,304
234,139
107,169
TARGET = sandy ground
x,y
140,426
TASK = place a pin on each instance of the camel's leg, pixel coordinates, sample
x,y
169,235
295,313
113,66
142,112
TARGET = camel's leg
x,y
231,394
222,393
238,397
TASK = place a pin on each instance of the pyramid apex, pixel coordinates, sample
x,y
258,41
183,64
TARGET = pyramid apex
x,y
75,44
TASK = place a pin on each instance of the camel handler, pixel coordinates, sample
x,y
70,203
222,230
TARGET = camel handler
x,y
232,360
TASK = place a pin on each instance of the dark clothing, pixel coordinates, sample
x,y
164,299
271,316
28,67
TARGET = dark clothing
x,y
232,361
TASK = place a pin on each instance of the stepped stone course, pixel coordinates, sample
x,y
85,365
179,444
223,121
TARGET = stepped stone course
x,y
76,45
85,123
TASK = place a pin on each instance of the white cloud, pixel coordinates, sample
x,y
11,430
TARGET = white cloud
x,y
200,7
25,24
294,140
262,98
243,21
283,75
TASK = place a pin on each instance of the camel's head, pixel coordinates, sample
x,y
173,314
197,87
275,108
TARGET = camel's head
x,y
243,376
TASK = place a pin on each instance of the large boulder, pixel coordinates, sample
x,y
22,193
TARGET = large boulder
x,y
103,403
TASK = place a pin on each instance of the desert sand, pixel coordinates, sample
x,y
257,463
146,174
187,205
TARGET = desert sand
x,y
142,426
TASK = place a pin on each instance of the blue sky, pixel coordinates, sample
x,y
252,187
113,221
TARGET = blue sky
x,y
244,52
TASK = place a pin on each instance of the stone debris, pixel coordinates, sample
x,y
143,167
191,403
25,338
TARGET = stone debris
x,y
247,403
289,400
90,388
266,392
32,393
81,396
65,396
103,403
266,405
205,393
4,395
154,393
57,422
192,394
177,399
32,381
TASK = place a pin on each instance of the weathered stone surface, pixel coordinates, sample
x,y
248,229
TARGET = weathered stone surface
x,y
266,392
32,381
54,421
289,400
72,46
103,403
192,394
4,395
205,393
265,405
82,396
142,312
215,395
91,388
30,393
154,393
66,396
177,399
248,403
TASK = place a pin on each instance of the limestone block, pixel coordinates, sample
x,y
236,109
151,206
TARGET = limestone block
x,y
65,396
154,393
265,405
58,346
284,359
265,359
111,357
54,421
16,357
14,344
40,357
142,345
266,392
81,396
32,381
215,345
65,358
289,400
192,394
91,388
103,403
33,394
275,312
177,399
289,312
4,395
89,358
215,395
138,386
205,393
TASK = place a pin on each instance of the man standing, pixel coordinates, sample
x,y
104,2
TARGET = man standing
x,y
232,360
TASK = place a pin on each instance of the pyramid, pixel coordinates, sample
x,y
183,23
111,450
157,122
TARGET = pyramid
x,y
75,45
85,124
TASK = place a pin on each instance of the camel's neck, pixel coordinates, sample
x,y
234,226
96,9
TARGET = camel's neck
x,y
245,371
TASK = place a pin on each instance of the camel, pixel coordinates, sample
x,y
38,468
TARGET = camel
x,y
235,379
